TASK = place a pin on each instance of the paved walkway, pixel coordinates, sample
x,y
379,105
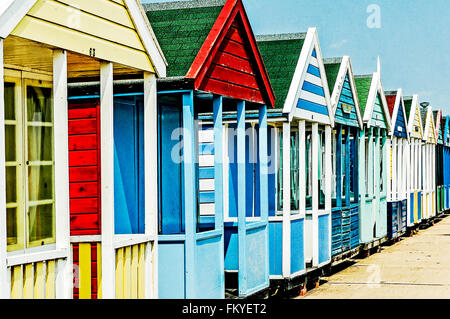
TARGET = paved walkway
x,y
415,267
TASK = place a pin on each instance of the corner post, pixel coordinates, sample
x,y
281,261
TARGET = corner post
x,y
64,282
151,184
107,180
242,231
5,291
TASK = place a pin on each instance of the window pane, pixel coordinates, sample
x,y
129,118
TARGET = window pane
x,y
39,104
11,184
41,223
321,175
11,226
10,143
294,171
10,113
308,175
40,143
40,183
280,172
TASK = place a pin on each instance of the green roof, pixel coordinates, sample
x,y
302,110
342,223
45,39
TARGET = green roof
x,y
181,29
332,67
280,54
408,105
363,83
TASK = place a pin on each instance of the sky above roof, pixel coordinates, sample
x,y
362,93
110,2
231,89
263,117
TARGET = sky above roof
x,y
412,38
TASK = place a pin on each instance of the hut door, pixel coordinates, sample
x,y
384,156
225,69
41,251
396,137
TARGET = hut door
x,y
128,167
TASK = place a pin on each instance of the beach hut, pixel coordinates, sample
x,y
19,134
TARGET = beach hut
x,y
373,160
54,230
414,180
428,163
446,162
300,137
213,201
345,168
399,165
439,122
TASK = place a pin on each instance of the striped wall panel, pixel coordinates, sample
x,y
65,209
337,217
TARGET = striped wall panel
x,y
34,280
312,95
378,116
346,111
87,270
84,168
206,170
400,124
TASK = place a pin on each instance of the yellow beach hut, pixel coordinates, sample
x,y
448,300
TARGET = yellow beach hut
x,y
44,46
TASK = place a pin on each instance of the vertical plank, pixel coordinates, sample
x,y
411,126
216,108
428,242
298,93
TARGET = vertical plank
x,y
286,238
28,281
141,272
339,172
264,178
127,273
62,217
190,195
327,168
151,180
119,273
5,291
241,205
39,283
218,165
219,180
315,192
302,165
17,282
50,280
99,271
107,178
85,270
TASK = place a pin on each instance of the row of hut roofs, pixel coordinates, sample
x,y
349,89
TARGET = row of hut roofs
x,y
285,162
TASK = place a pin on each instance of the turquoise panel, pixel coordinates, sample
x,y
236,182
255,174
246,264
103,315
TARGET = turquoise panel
x,y
171,281
275,248
297,246
324,238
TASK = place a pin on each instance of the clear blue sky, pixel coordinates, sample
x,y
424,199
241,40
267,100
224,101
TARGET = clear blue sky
x,y
413,38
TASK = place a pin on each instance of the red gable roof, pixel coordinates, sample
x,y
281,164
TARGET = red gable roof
x,y
229,62
391,103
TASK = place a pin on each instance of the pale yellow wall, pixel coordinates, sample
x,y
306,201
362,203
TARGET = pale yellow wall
x,y
82,26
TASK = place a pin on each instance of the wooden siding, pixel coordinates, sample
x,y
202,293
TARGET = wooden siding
x,y
378,117
312,95
84,169
83,27
87,270
343,116
206,164
233,72
417,128
400,123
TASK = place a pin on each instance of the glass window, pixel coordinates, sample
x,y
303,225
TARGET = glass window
x,y
294,175
29,169
321,173
308,163
294,171
129,212
333,168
